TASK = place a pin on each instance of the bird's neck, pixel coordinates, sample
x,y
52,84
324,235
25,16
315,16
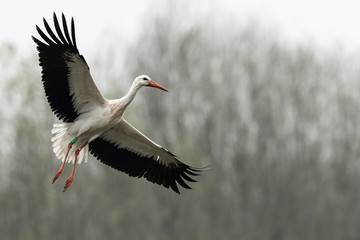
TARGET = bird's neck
x,y
127,99
118,107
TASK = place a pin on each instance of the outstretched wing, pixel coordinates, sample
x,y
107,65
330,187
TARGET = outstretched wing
x,y
68,85
126,149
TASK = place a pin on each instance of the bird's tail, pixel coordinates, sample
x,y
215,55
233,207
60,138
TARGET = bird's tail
x,y
61,140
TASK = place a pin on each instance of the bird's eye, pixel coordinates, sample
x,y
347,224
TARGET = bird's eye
x,y
146,79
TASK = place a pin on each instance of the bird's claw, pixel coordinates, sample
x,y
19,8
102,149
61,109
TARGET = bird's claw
x,y
68,182
56,176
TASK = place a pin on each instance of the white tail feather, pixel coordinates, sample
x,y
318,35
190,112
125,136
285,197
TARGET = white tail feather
x,y
61,140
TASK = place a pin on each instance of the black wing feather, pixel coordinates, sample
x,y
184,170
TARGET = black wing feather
x,y
141,166
58,30
67,35
53,56
52,35
73,32
42,34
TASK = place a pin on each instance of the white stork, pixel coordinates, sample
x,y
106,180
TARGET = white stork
x,y
92,123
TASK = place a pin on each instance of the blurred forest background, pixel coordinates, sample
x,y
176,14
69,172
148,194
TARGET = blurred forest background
x,y
279,123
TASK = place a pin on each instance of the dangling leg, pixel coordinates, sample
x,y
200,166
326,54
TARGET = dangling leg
x,y
62,165
70,179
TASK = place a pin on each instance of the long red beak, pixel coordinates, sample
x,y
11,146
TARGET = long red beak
x,y
154,84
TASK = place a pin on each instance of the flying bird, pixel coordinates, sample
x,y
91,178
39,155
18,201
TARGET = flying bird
x,y
94,124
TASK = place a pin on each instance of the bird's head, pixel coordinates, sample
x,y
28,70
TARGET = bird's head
x,y
146,81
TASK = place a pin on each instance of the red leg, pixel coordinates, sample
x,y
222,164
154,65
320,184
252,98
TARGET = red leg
x,y
70,179
62,165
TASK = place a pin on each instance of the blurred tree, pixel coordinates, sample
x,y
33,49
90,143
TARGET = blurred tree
x,y
277,122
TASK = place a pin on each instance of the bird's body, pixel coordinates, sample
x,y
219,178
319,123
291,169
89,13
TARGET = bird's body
x,y
90,124
94,124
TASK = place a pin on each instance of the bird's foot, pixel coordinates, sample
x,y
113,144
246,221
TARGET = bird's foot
x,y
57,176
68,182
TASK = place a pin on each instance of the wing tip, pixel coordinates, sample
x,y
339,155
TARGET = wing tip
x,y
52,40
180,176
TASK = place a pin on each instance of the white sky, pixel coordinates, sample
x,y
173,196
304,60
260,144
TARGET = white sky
x,y
324,22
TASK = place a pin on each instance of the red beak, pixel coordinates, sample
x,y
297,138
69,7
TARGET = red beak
x,y
154,84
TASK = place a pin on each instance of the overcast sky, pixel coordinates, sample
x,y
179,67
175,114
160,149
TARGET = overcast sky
x,y
324,22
